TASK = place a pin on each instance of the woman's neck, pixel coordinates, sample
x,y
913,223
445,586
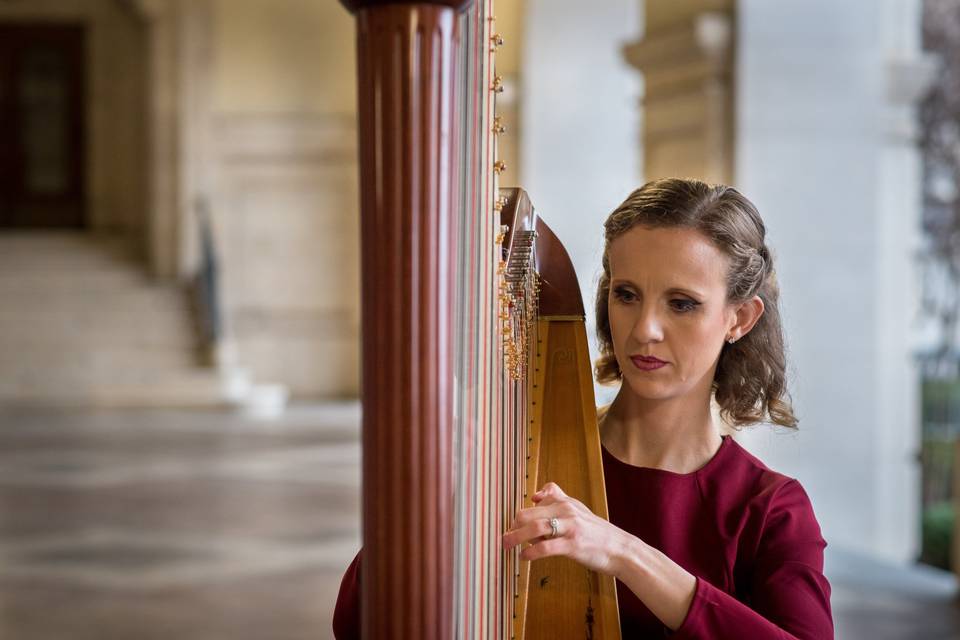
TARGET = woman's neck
x,y
676,434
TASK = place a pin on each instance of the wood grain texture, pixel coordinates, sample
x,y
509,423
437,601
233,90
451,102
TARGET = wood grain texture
x,y
558,598
563,599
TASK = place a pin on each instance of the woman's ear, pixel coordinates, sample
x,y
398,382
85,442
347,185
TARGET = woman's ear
x,y
747,314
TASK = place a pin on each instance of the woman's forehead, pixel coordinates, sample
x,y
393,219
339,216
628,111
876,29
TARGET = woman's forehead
x,y
674,255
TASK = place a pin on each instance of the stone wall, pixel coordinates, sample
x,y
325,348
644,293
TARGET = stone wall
x,y
826,149
283,188
287,217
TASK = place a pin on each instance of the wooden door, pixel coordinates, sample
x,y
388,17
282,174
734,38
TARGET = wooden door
x,y
42,181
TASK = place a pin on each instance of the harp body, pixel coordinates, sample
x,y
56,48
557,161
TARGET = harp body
x,y
558,598
476,383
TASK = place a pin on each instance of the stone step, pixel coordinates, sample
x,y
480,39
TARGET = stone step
x,y
84,324
61,281
146,301
146,344
47,240
81,362
45,252
197,388
69,376
101,329
68,277
27,262
38,256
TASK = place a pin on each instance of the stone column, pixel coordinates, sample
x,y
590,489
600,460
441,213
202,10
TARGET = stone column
x,y
907,73
178,79
686,57
826,149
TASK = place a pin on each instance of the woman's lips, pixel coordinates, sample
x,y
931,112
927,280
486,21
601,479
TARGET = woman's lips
x,y
646,364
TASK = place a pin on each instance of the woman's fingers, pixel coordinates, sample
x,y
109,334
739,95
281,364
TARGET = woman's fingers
x,y
531,532
547,506
530,514
532,524
542,501
580,534
549,547
551,489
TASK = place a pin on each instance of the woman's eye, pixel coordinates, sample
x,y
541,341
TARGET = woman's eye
x,y
623,295
684,305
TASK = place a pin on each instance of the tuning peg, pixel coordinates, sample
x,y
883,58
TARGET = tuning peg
x,y
499,167
498,127
497,40
497,84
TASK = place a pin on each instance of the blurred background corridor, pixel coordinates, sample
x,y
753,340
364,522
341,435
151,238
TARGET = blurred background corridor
x,y
191,524
179,265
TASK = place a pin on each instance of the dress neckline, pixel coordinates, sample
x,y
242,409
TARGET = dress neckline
x,y
712,462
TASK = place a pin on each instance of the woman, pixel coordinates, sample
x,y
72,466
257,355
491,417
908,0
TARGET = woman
x,y
705,541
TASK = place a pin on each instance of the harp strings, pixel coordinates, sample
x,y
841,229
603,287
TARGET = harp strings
x,y
479,416
496,324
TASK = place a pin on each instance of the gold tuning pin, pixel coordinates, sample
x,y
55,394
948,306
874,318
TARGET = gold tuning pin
x,y
497,84
498,127
499,167
502,235
497,40
500,203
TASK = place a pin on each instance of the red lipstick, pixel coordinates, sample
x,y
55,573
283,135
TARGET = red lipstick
x,y
647,363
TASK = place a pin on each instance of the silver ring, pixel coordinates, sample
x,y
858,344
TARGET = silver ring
x,y
554,527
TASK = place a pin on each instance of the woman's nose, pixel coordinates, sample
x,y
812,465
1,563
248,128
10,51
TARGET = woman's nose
x,y
648,327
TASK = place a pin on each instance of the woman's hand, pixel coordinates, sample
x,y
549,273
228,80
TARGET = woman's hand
x,y
581,535
666,588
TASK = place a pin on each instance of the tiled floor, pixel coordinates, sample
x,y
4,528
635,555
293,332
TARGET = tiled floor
x,y
142,525
189,525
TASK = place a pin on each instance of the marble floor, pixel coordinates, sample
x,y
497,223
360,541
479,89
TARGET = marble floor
x,y
142,525
204,525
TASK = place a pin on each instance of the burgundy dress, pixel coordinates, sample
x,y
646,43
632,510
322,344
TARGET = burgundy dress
x,y
749,534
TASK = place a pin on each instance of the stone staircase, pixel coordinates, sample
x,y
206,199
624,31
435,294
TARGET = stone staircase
x,y
82,324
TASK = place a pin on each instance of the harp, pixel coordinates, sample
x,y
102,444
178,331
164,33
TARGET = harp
x,y
477,385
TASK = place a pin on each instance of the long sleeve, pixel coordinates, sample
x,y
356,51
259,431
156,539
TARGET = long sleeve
x,y
789,595
346,614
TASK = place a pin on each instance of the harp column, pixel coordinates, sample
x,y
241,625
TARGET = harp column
x,y
406,58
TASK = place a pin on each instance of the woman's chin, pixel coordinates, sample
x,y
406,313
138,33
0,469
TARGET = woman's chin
x,y
646,389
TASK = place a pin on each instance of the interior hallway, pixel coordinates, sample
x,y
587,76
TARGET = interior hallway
x,y
201,525
205,525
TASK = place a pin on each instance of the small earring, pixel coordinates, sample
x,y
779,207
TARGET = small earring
x,y
731,340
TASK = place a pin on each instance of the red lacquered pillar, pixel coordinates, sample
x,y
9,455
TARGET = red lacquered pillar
x,y
407,57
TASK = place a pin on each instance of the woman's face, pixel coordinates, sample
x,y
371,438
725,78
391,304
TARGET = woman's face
x,y
668,301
